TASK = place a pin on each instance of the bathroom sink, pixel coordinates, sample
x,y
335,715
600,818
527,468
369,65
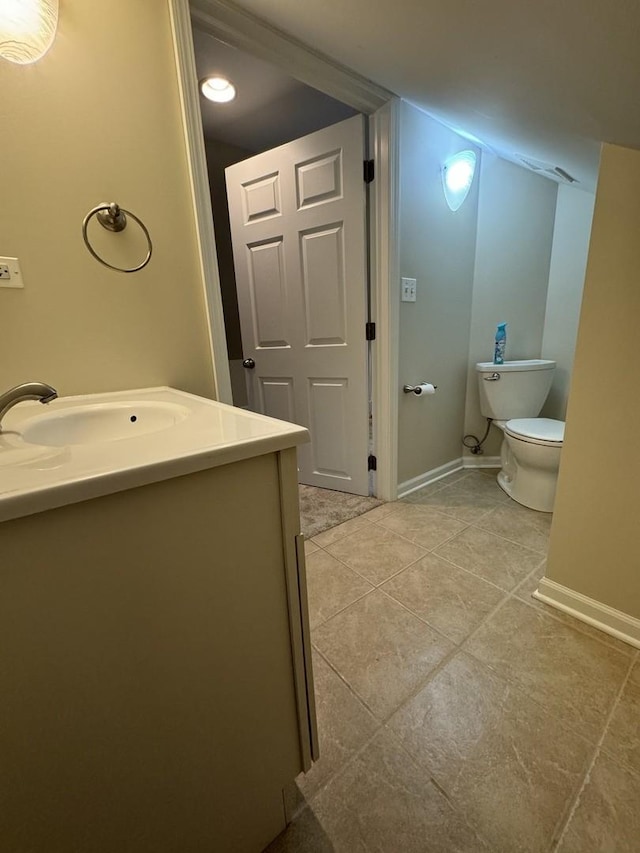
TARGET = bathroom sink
x,y
91,445
101,422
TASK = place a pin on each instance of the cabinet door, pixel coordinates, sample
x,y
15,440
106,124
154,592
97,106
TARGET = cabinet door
x,y
306,647
295,570
148,697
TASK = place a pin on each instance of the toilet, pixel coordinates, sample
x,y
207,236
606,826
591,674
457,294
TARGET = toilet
x,y
512,395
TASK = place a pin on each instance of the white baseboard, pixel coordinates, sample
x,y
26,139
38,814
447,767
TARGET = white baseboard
x,y
601,616
422,480
481,462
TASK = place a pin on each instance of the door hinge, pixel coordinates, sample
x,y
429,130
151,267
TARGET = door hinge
x,y
369,171
370,331
372,463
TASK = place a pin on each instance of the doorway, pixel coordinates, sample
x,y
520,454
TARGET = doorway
x,y
239,29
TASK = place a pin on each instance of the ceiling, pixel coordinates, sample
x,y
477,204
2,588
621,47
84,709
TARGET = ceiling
x,y
547,80
270,107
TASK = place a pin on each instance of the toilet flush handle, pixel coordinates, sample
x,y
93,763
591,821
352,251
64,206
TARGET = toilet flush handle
x,y
493,378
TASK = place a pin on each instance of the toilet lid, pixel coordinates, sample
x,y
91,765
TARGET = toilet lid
x,y
537,430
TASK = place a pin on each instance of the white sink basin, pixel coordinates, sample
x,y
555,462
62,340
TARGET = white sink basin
x,y
101,422
84,447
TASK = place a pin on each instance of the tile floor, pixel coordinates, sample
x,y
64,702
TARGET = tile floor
x,y
456,713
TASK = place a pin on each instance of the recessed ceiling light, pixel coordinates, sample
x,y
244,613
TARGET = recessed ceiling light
x,y
218,89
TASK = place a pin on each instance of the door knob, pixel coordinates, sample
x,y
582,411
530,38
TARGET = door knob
x,y
249,363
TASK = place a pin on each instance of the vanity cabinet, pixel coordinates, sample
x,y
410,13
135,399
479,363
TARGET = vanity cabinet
x,y
156,683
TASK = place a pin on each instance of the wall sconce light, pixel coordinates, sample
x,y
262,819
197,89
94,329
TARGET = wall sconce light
x,y
457,177
27,29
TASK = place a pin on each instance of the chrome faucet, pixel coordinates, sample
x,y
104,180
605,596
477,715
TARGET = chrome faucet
x,y
27,391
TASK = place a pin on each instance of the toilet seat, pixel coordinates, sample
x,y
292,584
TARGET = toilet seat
x,y
543,431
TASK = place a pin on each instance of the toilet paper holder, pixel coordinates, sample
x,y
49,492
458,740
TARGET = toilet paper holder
x,y
416,389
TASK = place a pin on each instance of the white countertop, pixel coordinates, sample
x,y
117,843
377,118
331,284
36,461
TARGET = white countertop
x,y
35,477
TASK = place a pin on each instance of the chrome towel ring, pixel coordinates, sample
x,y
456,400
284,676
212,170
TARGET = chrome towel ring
x,y
114,218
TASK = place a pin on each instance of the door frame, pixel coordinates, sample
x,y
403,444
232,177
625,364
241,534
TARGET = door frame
x,y
244,31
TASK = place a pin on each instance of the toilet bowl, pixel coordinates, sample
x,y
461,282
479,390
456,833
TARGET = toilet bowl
x,y
511,395
530,461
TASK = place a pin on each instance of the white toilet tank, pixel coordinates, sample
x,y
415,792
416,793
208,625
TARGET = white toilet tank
x,y
515,389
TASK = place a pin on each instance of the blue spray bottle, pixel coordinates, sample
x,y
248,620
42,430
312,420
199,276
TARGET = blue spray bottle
x,y
501,342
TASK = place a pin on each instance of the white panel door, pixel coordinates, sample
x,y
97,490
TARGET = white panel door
x,y
298,229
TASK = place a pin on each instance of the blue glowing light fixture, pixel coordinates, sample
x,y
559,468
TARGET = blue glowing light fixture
x,y
457,177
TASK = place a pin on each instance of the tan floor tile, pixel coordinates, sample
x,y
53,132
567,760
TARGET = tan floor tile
x,y
463,504
384,802
504,763
491,557
376,553
436,485
482,484
529,585
331,586
424,493
622,740
522,525
452,478
380,511
454,602
422,525
570,674
381,650
310,547
344,725
607,817
333,534
293,798
504,730
305,835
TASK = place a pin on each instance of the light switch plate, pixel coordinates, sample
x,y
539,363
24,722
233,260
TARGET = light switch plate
x,y
408,291
10,274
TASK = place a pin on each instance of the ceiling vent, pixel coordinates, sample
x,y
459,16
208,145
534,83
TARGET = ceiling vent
x,y
546,169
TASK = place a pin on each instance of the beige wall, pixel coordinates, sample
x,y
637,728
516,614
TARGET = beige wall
x,y
437,248
515,231
594,540
98,119
571,234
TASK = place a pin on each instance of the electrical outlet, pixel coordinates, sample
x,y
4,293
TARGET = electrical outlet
x,y
408,292
10,274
